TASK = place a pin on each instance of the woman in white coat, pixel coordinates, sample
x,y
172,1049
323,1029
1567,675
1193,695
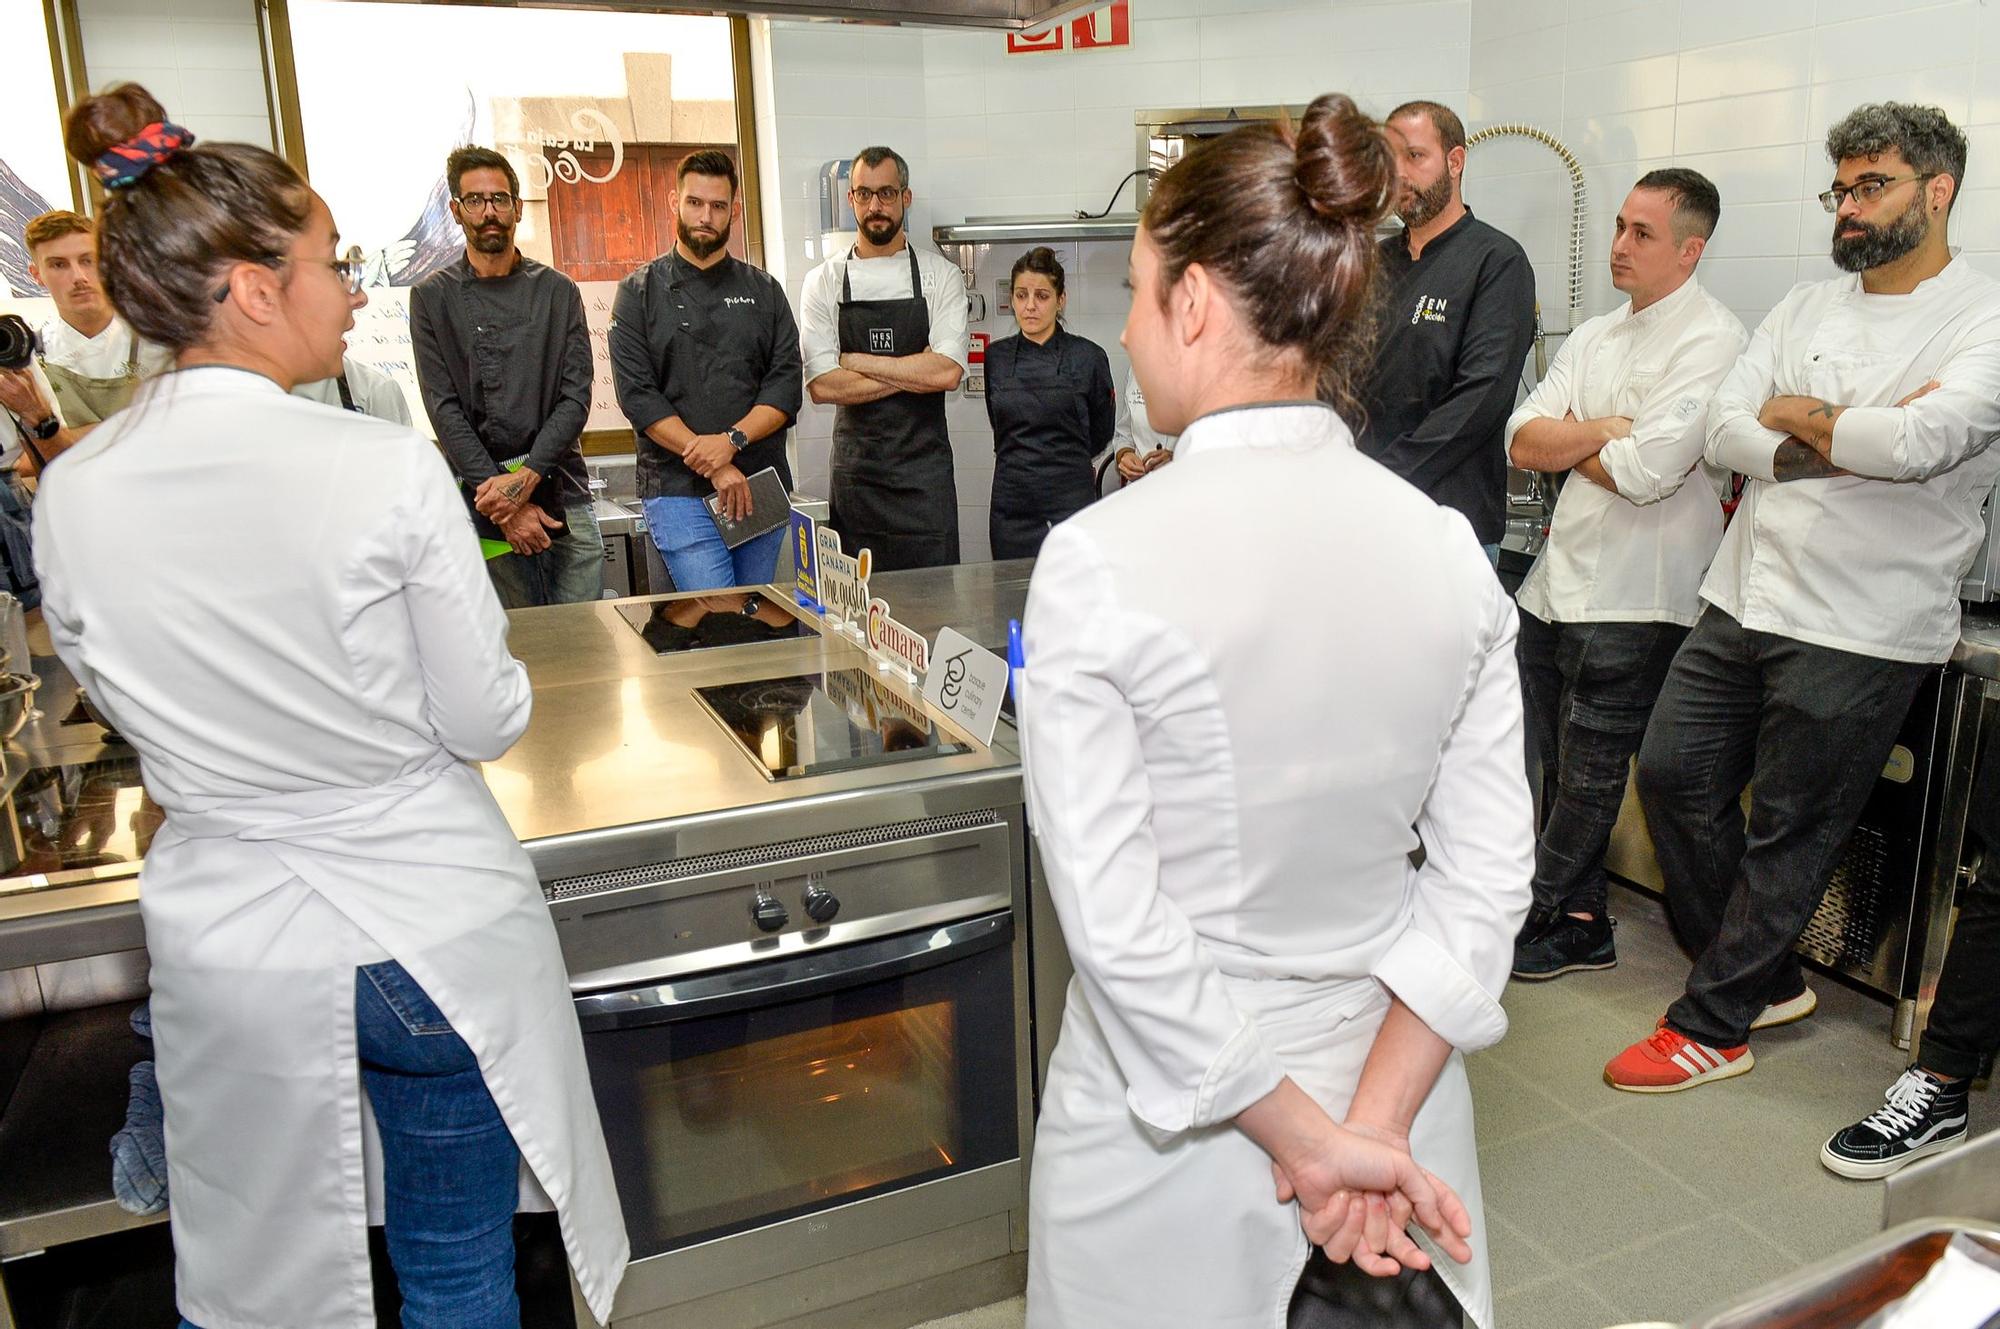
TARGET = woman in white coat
x,y
283,608
1243,710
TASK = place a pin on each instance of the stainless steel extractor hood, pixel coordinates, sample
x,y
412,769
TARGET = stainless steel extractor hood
x,y
1009,15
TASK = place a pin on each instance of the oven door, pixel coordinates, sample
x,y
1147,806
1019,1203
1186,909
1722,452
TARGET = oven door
x,y
743,1097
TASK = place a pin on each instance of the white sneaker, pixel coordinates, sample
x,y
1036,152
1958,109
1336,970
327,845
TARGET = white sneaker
x,y
1786,1012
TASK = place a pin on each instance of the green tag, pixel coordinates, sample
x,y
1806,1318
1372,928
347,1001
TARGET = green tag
x,y
494,548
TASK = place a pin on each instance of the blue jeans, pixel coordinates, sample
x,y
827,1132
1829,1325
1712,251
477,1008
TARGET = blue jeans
x,y
697,559
450,1169
569,571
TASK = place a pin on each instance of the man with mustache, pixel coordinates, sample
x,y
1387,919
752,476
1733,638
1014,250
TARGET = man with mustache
x,y
706,359
504,364
90,360
1457,314
1861,414
883,331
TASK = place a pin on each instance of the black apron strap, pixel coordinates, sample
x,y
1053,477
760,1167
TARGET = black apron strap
x,y
346,394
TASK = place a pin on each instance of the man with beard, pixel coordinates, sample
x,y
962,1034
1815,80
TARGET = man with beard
x,y
503,360
1457,316
1861,414
706,359
883,328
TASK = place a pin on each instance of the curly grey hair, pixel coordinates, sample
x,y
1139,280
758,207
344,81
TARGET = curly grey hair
x,y
1928,141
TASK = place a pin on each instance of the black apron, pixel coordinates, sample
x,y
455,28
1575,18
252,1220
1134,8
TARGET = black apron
x,y
1042,463
893,489
346,393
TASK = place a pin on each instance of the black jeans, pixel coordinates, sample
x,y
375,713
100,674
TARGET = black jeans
x,y
1964,1028
1811,727
1588,689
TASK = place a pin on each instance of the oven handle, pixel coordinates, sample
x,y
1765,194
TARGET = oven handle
x,y
811,974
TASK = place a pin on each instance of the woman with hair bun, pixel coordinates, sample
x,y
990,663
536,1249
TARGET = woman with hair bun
x,y
1261,1050
309,659
1053,408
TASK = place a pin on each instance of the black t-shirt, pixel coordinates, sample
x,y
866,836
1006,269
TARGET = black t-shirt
x,y
1453,329
704,344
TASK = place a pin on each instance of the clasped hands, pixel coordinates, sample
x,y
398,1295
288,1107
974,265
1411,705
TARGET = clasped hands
x,y
1358,1189
503,499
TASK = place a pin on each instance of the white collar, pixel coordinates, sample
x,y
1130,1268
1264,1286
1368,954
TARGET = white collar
x,y
1662,308
1291,425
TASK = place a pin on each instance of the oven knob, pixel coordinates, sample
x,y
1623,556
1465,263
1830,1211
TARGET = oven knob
x,y
821,904
770,914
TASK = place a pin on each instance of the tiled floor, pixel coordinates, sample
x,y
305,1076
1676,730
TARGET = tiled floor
x,y
1607,1208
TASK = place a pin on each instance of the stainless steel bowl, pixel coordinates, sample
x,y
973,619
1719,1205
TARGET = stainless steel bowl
x,y
17,698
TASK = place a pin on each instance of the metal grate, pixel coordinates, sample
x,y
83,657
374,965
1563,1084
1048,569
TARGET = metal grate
x,y
680,869
1844,930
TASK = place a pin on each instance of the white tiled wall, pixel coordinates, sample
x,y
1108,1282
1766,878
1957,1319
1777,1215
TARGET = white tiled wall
x,y
201,58
988,133
1741,90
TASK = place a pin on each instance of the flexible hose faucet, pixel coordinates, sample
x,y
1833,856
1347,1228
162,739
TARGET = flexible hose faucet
x,y
1578,205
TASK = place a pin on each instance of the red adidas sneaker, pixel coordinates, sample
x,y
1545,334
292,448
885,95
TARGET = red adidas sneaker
x,y
1668,1061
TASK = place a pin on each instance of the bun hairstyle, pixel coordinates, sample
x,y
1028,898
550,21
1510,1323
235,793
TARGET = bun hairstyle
x,y
1284,217
177,217
1041,259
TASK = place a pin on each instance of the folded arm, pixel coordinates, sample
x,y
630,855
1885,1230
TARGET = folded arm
x,y
926,371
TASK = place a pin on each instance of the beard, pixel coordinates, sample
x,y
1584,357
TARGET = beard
x,y
881,230
490,239
1877,245
701,246
1426,203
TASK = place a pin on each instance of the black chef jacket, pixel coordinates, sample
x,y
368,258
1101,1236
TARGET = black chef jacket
x,y
704,344
1053,407
505,368
1453,330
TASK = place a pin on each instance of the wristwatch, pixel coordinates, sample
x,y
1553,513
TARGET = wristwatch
x,y
46,430
737,438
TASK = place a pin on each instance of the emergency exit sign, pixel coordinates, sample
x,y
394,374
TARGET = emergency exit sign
x,y
1110,26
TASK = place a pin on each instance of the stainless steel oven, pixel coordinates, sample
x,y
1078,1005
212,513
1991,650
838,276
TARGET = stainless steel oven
x,y
811,1060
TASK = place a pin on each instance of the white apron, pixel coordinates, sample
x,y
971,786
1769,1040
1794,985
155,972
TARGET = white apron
x,y
307,719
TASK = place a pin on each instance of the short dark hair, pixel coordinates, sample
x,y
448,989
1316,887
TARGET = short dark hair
x,y
878,154
709,161
1040,259
470,158
1697,202
1450,129
1928,140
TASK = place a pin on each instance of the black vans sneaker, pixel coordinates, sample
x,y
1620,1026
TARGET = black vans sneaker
x,y
1921,1115
1566,945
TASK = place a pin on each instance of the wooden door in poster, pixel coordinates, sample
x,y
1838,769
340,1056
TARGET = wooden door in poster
x,y
600,232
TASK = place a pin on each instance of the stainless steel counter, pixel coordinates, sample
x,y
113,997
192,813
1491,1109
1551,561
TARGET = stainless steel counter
x,y
1978,650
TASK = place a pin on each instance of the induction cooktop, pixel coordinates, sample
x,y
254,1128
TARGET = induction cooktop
x,y
710,619
820,724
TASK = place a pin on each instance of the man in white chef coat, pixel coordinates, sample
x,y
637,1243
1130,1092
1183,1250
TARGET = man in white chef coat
x,y
1617,585
1861,414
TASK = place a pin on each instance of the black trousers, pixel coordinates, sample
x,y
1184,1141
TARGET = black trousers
x,y
1809,727
1588,689
1964,1028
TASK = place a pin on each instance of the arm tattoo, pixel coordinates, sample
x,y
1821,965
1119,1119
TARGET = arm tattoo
x,y
1825,408
1796,461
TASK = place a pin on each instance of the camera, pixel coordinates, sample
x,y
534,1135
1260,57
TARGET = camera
x,y
18,343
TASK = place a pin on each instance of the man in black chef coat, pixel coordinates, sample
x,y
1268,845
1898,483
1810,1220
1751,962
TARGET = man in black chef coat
x,y
1457,317
705,355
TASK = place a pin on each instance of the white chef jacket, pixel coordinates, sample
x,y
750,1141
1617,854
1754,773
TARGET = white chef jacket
x,y
881,279
114,351
1636,556
374,392
1131,428
1226,781
308,673
1868,562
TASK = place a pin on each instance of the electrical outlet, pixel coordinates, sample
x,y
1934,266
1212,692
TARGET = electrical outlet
x,y
975,385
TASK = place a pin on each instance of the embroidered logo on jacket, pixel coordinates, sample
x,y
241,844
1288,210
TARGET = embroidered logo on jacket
x,y
739,299
1430,309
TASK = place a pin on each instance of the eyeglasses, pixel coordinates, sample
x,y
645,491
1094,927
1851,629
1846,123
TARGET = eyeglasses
x,y
886,194
351,268
1866,191
494,203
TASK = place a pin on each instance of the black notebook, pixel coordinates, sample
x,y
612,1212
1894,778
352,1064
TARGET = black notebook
x,y
770,508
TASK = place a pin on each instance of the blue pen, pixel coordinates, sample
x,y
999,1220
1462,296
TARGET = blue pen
x,y
1016,657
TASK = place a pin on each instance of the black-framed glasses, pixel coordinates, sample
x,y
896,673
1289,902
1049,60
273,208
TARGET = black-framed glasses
x,y
1867,191
500,203
351,268
886,194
